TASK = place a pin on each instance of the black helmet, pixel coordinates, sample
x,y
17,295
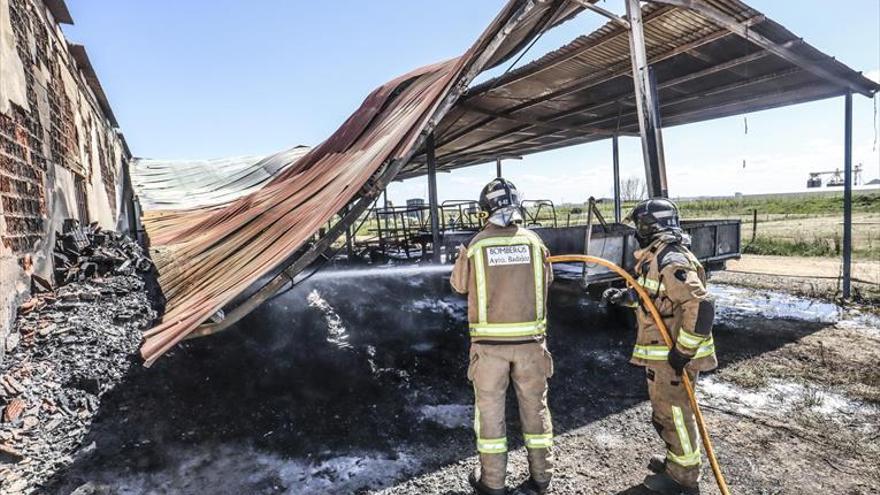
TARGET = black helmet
x,y
653,217
500,200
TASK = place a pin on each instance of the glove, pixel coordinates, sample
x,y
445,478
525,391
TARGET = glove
x,y
613,295
678,361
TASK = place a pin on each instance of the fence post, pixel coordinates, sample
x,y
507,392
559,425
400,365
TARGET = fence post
x,y
754,224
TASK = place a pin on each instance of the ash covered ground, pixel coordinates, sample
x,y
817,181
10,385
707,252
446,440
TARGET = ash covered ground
x,y
355,383
67,350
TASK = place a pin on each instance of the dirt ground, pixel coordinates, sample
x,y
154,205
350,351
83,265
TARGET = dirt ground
x,y
356,384
808,276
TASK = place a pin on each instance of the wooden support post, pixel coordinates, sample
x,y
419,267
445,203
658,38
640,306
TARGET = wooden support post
x,y
847,195
646,104
432,198
754,224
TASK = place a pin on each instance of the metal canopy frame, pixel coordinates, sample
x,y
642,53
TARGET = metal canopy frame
x,y
773,68
711,60
705,88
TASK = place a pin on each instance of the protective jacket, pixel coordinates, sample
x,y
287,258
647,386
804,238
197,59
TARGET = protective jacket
x,y
676,282
505,273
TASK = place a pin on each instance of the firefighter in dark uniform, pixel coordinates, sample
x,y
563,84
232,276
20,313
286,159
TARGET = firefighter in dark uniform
x,y
676,282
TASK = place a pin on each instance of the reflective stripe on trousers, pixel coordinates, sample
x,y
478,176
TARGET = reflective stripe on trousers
x,y
487,445
543,441
691,456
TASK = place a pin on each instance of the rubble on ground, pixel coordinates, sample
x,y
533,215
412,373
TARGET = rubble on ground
x,y
90,251
68,347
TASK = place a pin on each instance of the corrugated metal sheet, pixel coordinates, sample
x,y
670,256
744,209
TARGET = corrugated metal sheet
x,y
208,256
184,184
583,92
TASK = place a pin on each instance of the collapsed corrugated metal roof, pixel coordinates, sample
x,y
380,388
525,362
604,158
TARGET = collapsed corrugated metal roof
x,y
183,184
208,256
583,91
706,67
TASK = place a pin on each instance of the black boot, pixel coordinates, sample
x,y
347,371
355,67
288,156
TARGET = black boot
x,y
480,488
663,484
657,464
533,486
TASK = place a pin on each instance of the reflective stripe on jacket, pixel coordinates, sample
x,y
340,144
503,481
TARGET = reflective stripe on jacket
x,y
505,273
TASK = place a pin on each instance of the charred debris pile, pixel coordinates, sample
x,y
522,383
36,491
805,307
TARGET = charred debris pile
x,y
72,342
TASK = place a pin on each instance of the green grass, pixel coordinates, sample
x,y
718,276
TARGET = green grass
x,y
792,204
797,247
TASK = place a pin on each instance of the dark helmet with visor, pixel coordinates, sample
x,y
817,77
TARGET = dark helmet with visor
x,y
501,202
653,217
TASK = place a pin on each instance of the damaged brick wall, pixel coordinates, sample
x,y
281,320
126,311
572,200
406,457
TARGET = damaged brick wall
x,y
60,153
22,164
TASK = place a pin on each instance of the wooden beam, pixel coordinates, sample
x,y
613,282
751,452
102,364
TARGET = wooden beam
x,y
731,24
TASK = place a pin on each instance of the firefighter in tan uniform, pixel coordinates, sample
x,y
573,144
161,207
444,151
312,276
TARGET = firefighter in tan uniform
x,y
676,282
505,273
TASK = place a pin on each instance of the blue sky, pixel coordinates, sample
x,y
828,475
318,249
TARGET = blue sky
x,y
203,79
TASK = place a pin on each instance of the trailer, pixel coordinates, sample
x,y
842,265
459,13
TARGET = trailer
x,y
403,234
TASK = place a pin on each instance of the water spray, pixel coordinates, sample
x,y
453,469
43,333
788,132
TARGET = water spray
x,y
685,379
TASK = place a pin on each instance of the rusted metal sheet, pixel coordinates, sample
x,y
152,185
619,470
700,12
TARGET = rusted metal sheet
x,y
206,257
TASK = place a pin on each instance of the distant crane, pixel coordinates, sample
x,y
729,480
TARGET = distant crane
x,y
836,179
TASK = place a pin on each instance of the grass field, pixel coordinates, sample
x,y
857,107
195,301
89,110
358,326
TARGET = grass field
x,y
808,224
805,224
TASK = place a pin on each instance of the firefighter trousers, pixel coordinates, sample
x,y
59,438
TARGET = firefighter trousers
x,y
491,369
673,417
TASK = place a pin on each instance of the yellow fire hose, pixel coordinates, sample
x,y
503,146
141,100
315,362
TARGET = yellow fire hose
x,y
689,387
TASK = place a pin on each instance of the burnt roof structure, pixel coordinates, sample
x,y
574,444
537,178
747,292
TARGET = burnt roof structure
x,y
729,60
709,58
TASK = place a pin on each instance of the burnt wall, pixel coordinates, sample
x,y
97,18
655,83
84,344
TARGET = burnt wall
x,y
61,155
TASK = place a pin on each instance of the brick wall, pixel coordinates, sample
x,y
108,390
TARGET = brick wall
x,y
60,153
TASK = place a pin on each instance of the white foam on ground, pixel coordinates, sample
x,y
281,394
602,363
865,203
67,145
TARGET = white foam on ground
x,y
610,440
863,322
454,308
448,415
242,469
336,331
608,358
733,302
779,398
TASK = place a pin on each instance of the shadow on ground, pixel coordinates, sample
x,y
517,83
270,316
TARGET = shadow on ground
x,y
326,388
